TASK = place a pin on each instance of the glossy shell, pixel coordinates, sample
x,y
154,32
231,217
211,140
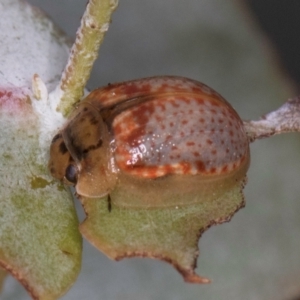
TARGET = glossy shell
x,y
145,130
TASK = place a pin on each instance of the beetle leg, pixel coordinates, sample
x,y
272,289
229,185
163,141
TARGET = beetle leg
x,y
109,203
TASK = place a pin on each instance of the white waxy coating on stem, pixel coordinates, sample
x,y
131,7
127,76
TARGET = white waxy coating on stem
x,y
50,120
20,57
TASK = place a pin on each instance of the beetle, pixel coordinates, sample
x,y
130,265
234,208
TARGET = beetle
x,y
146,130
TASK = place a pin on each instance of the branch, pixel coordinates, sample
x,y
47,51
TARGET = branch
x,y
285,119
89,36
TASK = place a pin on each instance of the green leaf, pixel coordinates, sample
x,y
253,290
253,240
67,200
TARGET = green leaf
x,y
167,233
40,244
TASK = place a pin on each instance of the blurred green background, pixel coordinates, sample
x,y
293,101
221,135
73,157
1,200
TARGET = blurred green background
x,y
257,254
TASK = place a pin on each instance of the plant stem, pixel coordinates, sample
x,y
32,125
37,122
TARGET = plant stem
x,y
94,24
285,119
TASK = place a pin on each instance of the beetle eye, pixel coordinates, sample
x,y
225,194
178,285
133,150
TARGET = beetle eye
x,y
71,174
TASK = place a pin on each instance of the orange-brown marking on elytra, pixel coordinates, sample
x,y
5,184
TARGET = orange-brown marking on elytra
x,y
220,121
200,101
186,100
159,157
214,103
196,90
146,87
141,115
158,118
130,89
186,167
213,170
176,105
214,152
184,122
209,142
149,173
117,129
196,154
232,117
162,106
200,166
152,144
202,120
212,119
190,143
137,164
163,88
168,169
224,169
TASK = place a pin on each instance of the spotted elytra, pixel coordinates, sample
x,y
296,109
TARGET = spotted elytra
x,y
168,135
